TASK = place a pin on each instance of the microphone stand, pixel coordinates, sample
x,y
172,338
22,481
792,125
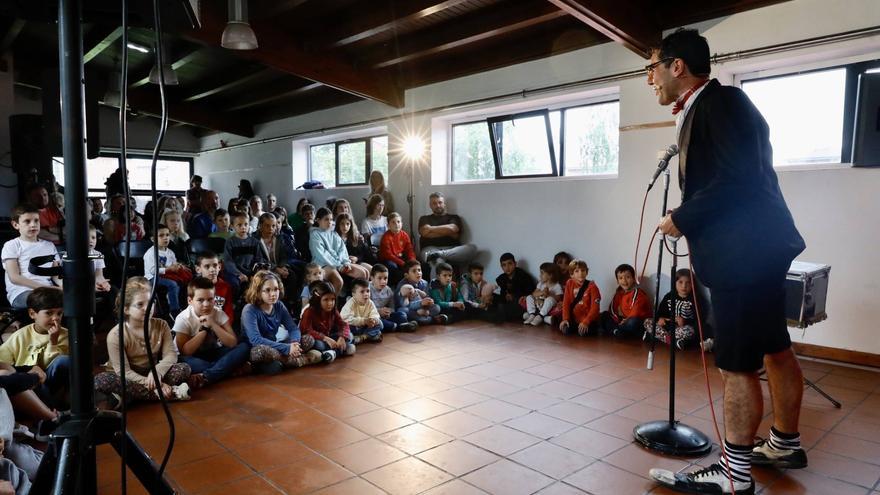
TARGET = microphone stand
x,y
669,436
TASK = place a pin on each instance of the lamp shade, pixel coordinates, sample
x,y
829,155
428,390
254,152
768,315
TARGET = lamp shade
x,y
238,35
168,72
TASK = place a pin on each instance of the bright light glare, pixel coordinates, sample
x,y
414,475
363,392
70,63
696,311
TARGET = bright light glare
x,y
137,47
414,147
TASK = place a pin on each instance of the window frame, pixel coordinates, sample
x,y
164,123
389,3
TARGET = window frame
x,y
557,155
101,192
368,158
499,172
851,82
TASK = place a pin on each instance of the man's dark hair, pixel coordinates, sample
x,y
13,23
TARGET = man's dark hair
x,y
690,46
359,283
45,298
625,268
508,257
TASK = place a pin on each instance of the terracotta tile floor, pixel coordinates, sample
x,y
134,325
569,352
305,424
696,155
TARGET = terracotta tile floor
x,y
477,408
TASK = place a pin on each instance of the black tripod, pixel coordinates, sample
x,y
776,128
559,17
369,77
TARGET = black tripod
x,y
69,466
669,436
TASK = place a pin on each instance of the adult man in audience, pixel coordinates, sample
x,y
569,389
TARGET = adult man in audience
x,y
742,239
440,236
194,197
51,218
202,224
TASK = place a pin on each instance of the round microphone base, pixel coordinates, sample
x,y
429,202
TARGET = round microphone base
x,y
672,438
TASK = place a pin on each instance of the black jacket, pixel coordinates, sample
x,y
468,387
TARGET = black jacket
x,y
738,227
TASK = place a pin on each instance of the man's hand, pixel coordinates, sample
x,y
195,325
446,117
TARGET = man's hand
x,y
102,285
668,227
242,277
36,370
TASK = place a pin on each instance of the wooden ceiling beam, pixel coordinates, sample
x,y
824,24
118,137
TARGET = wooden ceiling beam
x,y
238,79
622,22
473,28
382,17
280,51
275,94
323,99
144,78
16,26
98,40
188,113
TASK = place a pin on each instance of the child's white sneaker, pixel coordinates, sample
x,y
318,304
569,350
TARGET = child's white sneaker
x,y
537,320
181,392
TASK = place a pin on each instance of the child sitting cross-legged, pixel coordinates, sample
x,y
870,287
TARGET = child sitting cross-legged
x,y
681,316
361,314
169,273
208,266
514,283
383,297
476,292
276,341
322,321
17,255
239,254
446,294
396,248
548,292
580,304
204,337
630,306
412,296
140,385
42,347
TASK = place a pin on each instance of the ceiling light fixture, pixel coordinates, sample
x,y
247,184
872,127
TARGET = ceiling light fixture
x,y
238,34
168,73
140,48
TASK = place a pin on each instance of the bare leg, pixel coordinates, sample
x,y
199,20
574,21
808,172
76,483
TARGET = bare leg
x,y
359,272
28,404
332,276
743,406
786,389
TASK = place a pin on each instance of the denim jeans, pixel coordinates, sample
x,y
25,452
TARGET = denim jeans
x,y
218,363
173,291
433,310
371,332
394,319
54,390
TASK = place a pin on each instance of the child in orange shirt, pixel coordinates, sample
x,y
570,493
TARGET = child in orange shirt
x,y
630,306
396,247
580,302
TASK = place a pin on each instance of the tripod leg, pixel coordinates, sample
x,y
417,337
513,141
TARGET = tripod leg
x,y
143,466
65,476
815,387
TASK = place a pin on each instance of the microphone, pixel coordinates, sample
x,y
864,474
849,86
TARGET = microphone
x,y
671,151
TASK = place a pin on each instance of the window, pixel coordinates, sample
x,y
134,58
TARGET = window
x,y
571,141
172,175
349,162
805,113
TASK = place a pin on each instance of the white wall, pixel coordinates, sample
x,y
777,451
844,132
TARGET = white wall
x,y
598,219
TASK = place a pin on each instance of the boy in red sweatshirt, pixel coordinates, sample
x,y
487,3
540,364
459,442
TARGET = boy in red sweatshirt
x,y
396,247
580,302
630,306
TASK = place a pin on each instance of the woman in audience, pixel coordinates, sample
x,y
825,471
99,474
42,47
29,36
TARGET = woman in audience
x,y
358,249
271,202
256,204
114,227
296,219
341,206
328,250
377,186
245,189
376,222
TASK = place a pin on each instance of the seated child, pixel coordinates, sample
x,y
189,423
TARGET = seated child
x,y
322,321
415,301
140,385
313,273
301,232
629,307
383,297
205,339
170,272
476,291
580,304
562,259
43,346
101,282
239,254
17,254
276,341
514,283
19,462
221,224
208,266
177,241
683,315
446,294
548,292
361,314
396,247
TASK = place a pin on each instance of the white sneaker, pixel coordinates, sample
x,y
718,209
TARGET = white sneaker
x,y
548,320
537,320
712,479
707,345
181,392
527,317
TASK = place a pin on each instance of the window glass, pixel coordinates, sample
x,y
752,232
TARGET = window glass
x,y
471,153
379,155
322,162
591,139
522,147
353,163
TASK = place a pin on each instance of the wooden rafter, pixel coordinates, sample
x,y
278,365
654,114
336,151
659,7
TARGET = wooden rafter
x,y
142,79
619,21
275,94
474,28
188,113
98,40
279,51
228,83
15,28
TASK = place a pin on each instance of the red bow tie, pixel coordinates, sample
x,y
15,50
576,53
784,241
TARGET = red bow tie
x,y
679,103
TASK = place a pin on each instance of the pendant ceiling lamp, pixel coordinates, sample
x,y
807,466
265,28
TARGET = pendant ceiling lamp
x,y
238,34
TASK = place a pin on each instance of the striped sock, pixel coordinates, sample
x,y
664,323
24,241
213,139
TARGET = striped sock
x,y
739,457
784,441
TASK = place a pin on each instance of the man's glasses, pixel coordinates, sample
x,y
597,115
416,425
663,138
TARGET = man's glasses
x,y
650,67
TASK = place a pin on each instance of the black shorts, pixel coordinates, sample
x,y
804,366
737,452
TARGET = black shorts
x,y
749,323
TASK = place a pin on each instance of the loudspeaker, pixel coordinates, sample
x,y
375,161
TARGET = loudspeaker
x,y
26,143
866,139
52,113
